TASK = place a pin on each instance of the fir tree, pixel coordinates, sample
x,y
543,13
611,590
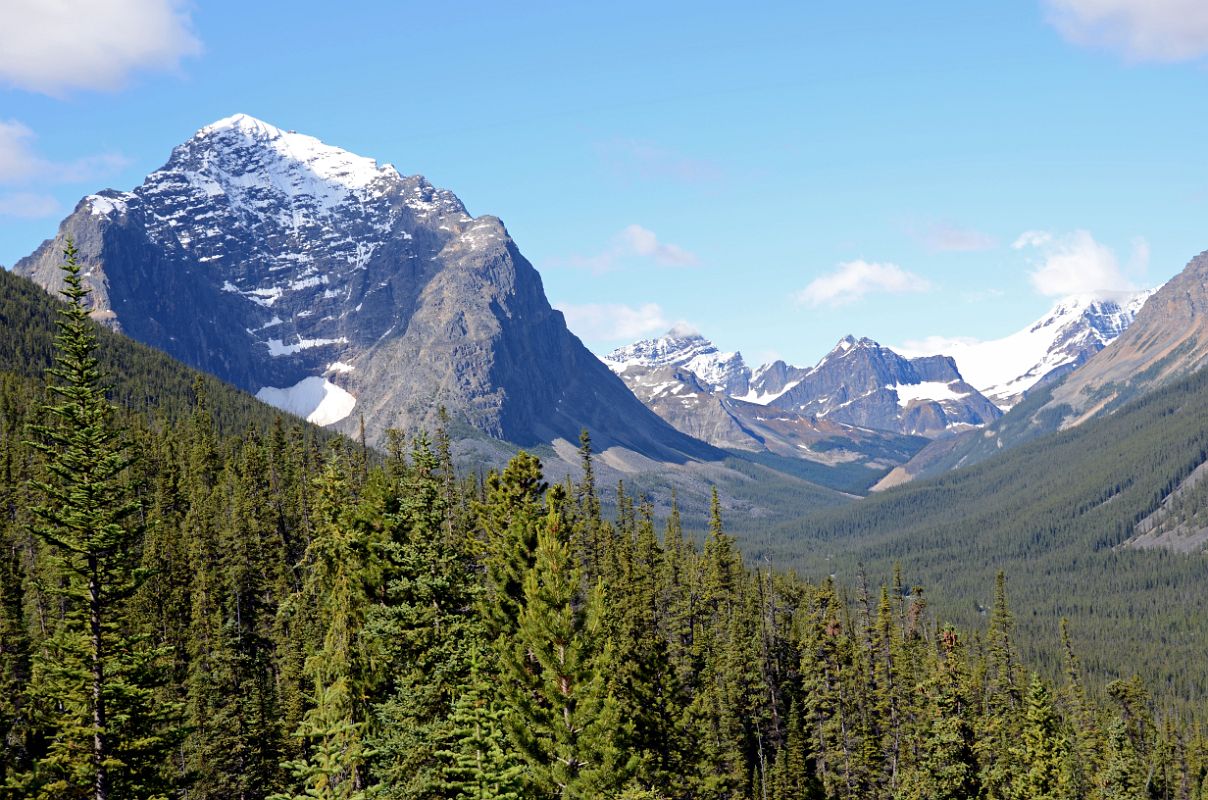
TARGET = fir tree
x,y
478,763
97,673
561,715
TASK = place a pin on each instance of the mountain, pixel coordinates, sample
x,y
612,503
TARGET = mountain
x,y
725,373
1082,521
686,380
1075,329
864,384
1166,340
341,290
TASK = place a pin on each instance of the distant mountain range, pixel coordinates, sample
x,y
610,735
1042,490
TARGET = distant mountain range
x,y
1076,328
851,405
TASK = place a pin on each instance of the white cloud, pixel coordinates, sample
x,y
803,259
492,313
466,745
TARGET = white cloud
x,y
642,241
20,163
945,237
17,160
27,205
1142,30
855,279
53,46
1074,263
931,345
634,241
610,322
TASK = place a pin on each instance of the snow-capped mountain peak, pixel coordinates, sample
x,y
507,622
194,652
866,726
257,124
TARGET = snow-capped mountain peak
x,y
240,156
316,277
1072,331
687,348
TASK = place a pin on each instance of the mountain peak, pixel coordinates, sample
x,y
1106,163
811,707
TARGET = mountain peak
x,y
241,148
242,122
684,346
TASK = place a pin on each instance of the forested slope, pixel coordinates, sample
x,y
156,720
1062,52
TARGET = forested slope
x,y
187,611
1051,513
143,379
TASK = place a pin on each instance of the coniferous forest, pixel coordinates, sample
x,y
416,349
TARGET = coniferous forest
x,y
194,607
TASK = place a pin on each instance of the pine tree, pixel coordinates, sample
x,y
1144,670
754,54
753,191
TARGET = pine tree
x,y
334,729
1041,757
96,675
561,715
478,763
1122,777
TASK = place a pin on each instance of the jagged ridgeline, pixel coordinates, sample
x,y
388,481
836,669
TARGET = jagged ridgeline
x,y
298,624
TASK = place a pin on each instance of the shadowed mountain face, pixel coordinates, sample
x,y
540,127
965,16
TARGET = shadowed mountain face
x,y
277,262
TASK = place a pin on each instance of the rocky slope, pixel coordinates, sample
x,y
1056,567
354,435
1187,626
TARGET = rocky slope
x,y
341,289
1167,340
863,384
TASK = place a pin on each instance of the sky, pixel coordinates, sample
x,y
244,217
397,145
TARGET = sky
x,y
775,175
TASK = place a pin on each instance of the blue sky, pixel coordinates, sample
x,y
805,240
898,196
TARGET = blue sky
x,y
777,176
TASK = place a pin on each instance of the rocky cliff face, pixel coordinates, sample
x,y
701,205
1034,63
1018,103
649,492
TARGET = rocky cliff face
x,y
342,289
863,384
725,373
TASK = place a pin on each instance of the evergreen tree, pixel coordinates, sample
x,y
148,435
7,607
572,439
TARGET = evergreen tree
x,y
562,717
479,763
96,675
334,728
1041,756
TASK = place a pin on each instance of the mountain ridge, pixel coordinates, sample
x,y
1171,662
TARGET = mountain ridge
x,y
269,258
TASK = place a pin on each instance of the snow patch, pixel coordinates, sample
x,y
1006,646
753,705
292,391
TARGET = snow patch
x,y
927,390
315,399
105,206
276,347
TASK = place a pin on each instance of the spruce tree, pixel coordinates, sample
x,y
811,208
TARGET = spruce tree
x,y
334,728
95,676
561,714
478,762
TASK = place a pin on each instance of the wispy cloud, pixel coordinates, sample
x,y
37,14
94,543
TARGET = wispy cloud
x,y
20,163
635,158
853,280
1074,263
613,322
28,205
932,345
52,46
1141,30
946,237
634,241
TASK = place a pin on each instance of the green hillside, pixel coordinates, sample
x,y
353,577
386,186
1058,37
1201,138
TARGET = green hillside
x,y
1051,513
144,380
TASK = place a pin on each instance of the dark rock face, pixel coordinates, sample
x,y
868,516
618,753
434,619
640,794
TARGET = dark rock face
x,y
267,257
863,384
